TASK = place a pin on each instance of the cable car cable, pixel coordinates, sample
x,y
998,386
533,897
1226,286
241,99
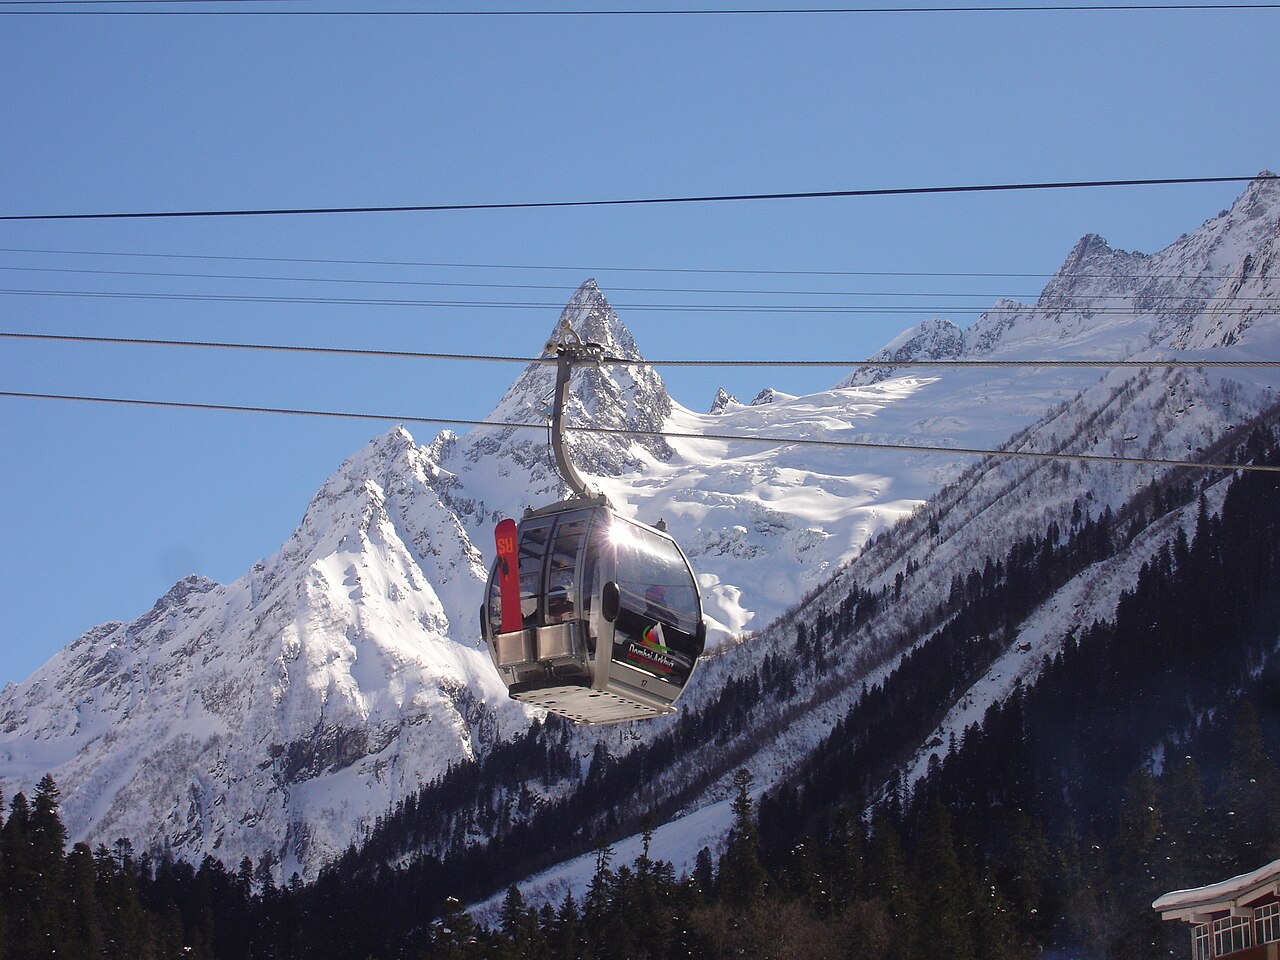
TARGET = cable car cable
x,y
30,8
639,201
629,361
613,269
673,435
933,310
618,289
526,286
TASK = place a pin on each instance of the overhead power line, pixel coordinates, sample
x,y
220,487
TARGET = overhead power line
x,y
640,201
665,434
1058,299
271,348
150,8
488,286
542,306
629,361
598,268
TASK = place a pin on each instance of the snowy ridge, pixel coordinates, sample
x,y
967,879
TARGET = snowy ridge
x,y
282,713
270,715
1158,413
992,505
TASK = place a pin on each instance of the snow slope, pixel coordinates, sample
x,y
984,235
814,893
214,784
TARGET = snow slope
x,y
279,715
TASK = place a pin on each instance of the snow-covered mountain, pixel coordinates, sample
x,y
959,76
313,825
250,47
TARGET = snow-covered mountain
x,y
279,715
805,675
274,714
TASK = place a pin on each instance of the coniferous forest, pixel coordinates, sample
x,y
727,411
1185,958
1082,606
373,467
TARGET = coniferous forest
x,y
1142,760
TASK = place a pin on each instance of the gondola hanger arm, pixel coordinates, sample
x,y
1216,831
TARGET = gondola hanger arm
x,y
568,349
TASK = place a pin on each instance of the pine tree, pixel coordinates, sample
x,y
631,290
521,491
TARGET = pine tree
x,y
1080,885
22,881
124,926
996,936
566,939
1029,867
1138,826
598,894
704,877
1136,928
83,910
48,840
619,936
889,883
945,893
848,854
1182,802
1247,799
455,935
742,876
244,877
517,923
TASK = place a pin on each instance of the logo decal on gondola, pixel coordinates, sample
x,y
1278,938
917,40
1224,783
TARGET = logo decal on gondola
x,y
652,651
654,640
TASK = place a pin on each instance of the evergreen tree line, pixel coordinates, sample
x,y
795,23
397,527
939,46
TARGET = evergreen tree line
x,y
922,880
641,910
108,904
1018,840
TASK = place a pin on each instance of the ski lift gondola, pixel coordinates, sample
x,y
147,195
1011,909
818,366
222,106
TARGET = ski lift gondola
x,y
590,614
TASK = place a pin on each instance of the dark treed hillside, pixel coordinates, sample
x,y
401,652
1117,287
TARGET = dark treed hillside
x,y
1140,761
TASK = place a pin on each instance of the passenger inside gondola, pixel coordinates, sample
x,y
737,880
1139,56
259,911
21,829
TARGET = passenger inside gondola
x,y
655,601
560,603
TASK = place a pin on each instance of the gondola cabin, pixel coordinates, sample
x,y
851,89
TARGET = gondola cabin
x,y
591,615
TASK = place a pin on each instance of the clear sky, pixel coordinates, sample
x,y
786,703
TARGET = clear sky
x,y
105,507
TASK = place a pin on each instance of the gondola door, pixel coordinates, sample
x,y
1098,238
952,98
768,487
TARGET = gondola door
x,y
655,616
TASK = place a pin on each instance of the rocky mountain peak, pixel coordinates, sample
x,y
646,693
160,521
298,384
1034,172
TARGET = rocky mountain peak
x,y
589,314
1260,200
628,396
934,339
1088,248
721,402
391,455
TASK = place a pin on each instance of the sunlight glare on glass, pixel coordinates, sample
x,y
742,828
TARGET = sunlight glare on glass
x,y
637,540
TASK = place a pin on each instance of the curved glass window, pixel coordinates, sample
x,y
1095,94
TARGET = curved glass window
x,y
657,628
493,600
653,577
564,598
534,537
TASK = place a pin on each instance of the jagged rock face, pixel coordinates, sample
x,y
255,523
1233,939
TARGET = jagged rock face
x,y
930,340
769,395
1202,291
283,712
1187,296
722,401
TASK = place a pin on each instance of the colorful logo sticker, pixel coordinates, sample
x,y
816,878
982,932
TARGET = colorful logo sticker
x,y
653,638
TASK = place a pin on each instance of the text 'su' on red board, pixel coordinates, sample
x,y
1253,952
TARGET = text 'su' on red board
x,y
509,575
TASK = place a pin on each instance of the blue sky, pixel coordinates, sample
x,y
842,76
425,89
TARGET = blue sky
x,y
104,507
